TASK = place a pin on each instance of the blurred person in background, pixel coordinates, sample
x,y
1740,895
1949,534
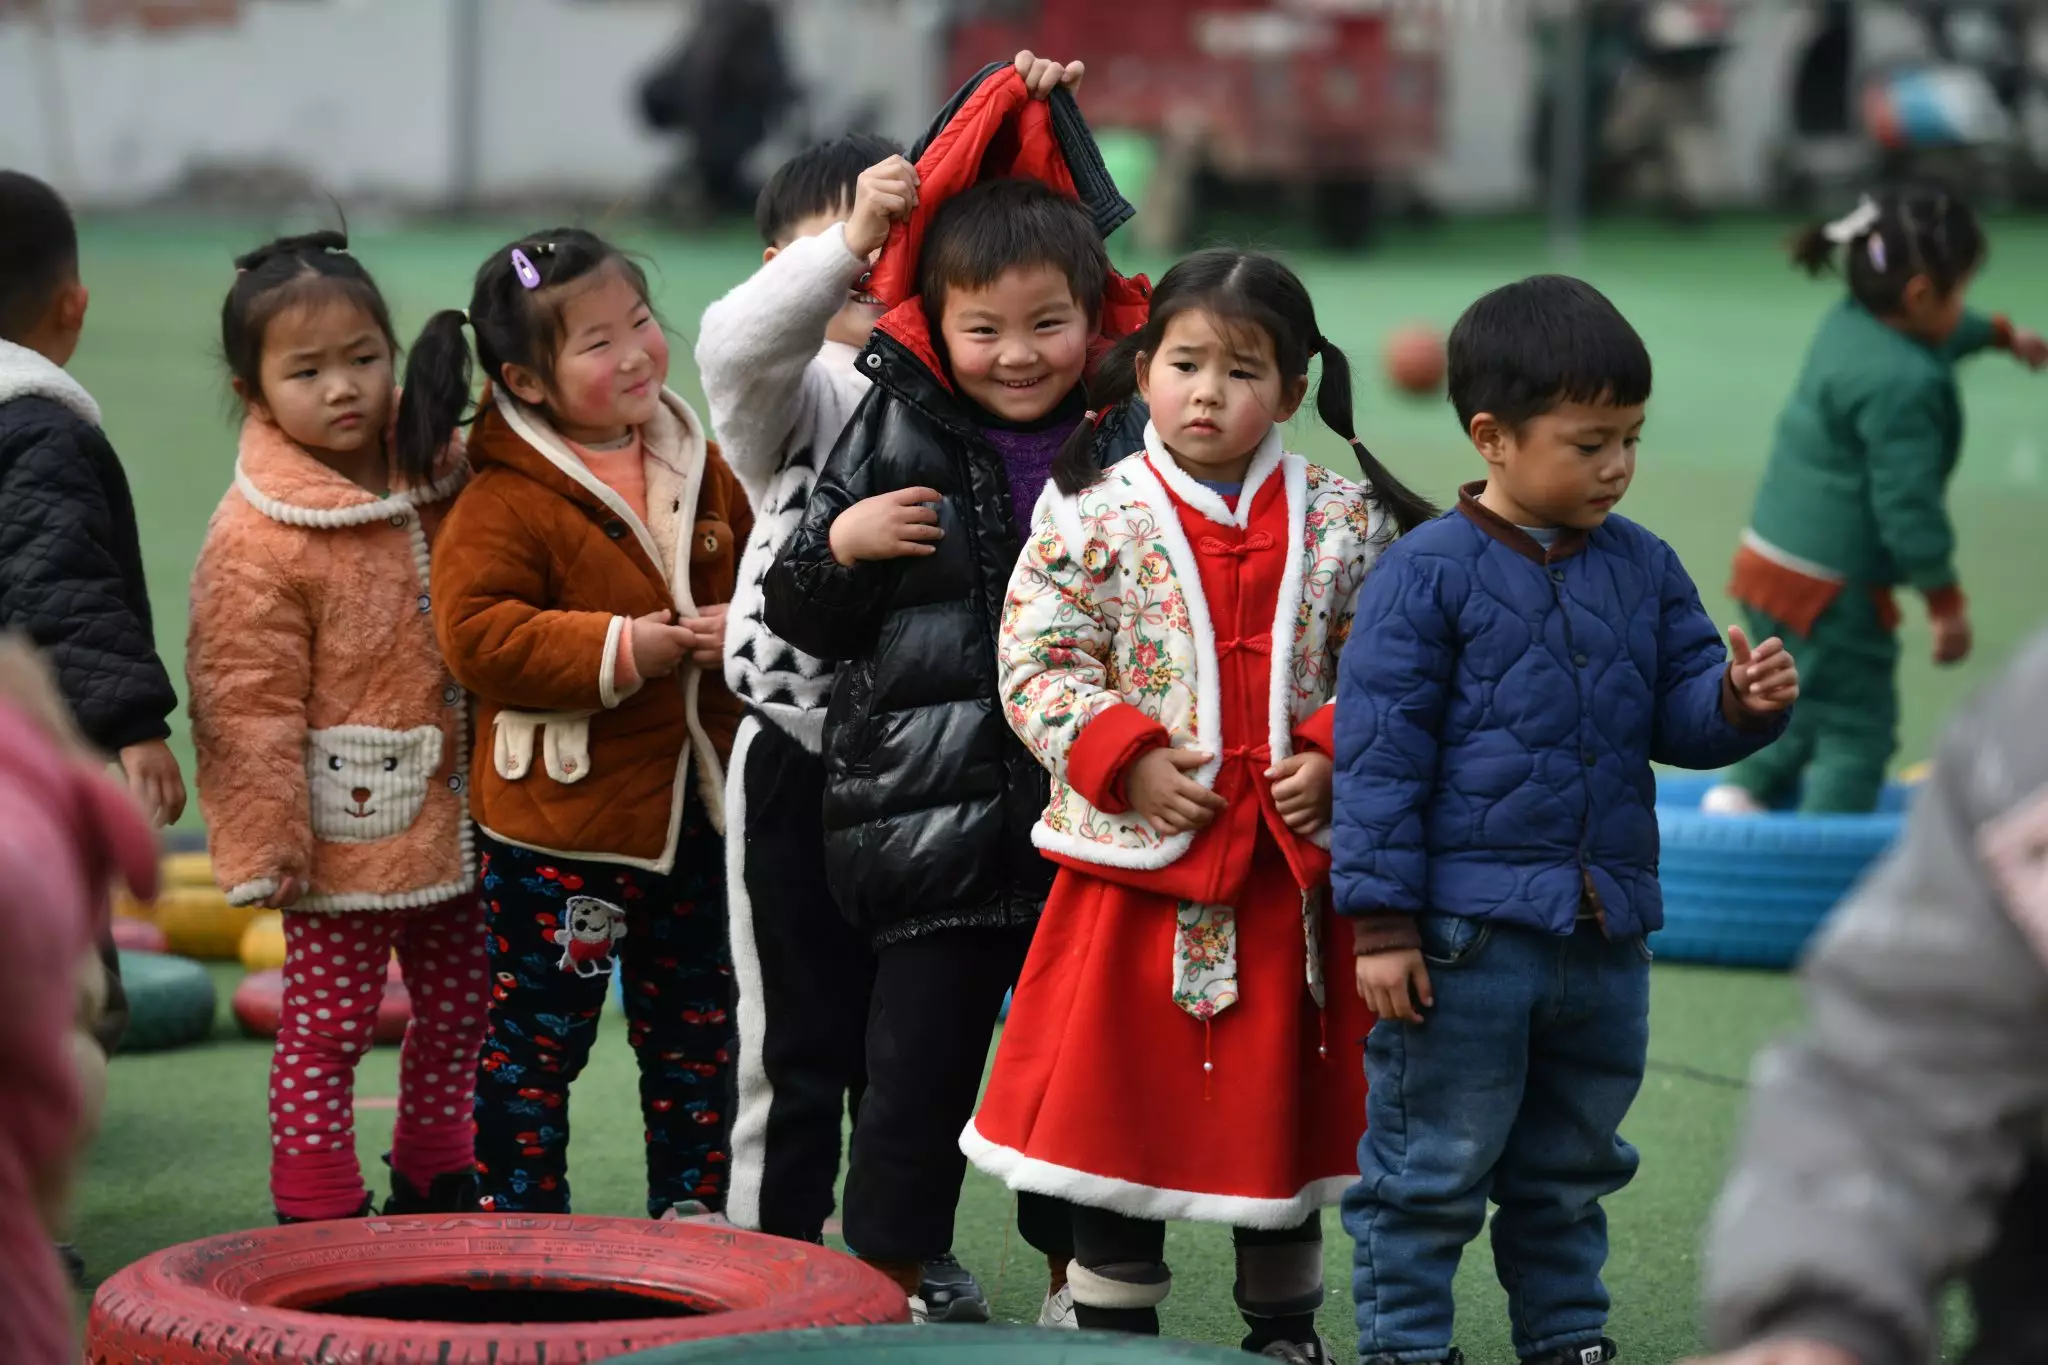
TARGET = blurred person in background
x,y
725,86
1896,1144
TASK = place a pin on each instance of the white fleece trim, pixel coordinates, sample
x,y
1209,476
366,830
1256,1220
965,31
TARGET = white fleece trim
x,y
1280,686
1204,499
402,504
31,374
253,892
358,902
608,694
1049,840
1145,484
1092,1289
756,1091
1787,559
1024,1173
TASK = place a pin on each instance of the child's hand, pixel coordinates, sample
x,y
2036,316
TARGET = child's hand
x,y
659,644
1952,637
1160,789
885,193
154,780
2028,348
290,889
887,526
1790,1351
1301,791
1391,983
709,630
1042,75
1766,678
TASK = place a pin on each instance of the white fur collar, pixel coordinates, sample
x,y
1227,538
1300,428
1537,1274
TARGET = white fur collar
x,y
1203,499
30,374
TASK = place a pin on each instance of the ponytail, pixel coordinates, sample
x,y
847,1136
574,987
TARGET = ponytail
x,y
1333,404
436,397
1114,383
1812,251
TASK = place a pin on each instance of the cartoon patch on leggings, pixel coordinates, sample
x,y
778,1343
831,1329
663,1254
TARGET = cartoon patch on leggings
x,y
589,929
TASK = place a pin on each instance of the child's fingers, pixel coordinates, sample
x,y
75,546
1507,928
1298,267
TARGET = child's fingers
x,y
1187,760
1738,646
1769,649
1418,981
1201,795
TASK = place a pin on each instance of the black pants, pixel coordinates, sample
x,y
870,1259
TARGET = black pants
x,y
805,977
2005,1286
1279,1275
549,989
934,1012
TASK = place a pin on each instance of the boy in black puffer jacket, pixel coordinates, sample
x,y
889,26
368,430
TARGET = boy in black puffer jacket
x,y
70,559
999,292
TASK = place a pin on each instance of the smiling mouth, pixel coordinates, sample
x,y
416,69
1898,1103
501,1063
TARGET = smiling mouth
x,y
362,814
867,300
1021,383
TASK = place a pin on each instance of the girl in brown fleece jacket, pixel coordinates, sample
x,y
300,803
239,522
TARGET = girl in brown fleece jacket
x,y
578,592
331,738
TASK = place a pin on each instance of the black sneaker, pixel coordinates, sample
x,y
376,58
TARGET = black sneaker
x,y
74,1265
1456,1357
455,1192
1315,1352
1592,1353
947,1292
369,1207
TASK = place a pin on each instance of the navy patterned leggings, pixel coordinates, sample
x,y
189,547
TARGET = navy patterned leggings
x,y
555,926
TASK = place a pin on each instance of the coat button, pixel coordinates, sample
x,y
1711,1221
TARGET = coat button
x,y
398,520
874,361
615,529
1579,659
450,695
1588,756
426,602
710,542
1557,575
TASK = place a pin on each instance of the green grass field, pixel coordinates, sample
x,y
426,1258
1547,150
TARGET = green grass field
x,y
184,1152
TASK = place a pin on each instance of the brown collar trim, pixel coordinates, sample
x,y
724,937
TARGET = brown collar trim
x,y
1570,540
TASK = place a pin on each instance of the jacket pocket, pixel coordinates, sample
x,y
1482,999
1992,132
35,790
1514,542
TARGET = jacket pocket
x,y
367,783
564,740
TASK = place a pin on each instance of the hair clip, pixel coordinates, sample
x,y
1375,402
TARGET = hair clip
x,y
1094,419
1877,252
544,249
1854,223
523,267
867,277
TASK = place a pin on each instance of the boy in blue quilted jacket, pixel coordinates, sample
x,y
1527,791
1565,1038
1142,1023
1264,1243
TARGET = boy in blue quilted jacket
x,y
1516,666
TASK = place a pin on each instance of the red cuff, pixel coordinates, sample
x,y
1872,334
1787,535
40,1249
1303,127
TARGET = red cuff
x,y
1944,602
1104,751
1318,732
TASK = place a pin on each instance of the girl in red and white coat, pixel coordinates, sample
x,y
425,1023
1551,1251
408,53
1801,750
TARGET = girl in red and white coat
x,y
1169,651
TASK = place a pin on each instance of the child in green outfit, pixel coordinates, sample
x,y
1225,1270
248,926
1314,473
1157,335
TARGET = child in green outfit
x,y
1852,502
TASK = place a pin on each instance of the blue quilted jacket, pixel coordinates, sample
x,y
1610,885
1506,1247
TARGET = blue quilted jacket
x,y
1498,709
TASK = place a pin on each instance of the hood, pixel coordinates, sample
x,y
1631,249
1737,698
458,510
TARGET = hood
x,y
992,130
31,374
284,483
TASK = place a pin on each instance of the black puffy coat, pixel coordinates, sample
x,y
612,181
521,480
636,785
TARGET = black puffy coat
x,y
71,570
930,799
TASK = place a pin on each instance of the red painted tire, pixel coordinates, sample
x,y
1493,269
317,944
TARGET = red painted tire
x,y
394,1291
259,1001
139,936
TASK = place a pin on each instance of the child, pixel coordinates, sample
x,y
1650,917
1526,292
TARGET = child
x,y
777,358
1514,669
997,293
64,833
579,592
1851,505
1169,651
331,739
1897,1143
70,559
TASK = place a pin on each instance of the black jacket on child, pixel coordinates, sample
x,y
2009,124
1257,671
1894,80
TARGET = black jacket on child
x,y
70,556
929,798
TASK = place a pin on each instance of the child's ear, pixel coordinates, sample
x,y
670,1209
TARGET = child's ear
x,y
71,306
1142,366
769,253
252,401
1291,398
1493,438
525,385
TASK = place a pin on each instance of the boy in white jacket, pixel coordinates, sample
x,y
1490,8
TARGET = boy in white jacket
x,y
777,356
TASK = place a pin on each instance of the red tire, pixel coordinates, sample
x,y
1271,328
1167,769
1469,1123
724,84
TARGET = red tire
x,y
259,1004
396,1291
139,936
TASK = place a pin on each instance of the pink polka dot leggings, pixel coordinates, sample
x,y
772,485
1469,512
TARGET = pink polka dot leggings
x,y
334,970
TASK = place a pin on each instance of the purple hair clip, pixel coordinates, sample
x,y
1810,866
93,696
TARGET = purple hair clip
x,y
1876,249
523,267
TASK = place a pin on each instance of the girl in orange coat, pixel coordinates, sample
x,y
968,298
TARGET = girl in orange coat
x,y
579,592
331,739
1169,649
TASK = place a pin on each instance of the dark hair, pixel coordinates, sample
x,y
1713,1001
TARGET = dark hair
x,y
818,179
286,274
1525,348
38,251
1892,237
514,325
1257,291
1001,225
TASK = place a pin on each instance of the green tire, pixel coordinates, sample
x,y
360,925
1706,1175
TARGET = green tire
x,y
936,1345
171,1002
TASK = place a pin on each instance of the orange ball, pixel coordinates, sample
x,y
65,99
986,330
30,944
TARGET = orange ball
x,y
1415,359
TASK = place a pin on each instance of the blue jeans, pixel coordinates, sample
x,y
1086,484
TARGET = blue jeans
x,y
1512,1090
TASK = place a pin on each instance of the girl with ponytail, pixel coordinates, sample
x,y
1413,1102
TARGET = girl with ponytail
x,y
1853,504
1169,651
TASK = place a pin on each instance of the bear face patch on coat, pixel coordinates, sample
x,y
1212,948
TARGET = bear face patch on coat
x,y
366,783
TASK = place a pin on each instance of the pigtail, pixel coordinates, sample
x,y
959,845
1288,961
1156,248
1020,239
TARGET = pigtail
x,y
1333,404
1114,383
436,397
1813,251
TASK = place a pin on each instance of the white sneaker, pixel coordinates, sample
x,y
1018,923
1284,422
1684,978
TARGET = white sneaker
x,y
1058,1312
1731,800
694,1211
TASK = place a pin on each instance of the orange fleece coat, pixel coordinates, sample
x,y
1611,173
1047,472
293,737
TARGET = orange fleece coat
x,y
332,740
540,571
